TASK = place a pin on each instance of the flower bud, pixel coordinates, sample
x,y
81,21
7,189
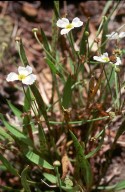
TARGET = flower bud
x,y
34,30
86,33
56,163
117,70
112,114
17,39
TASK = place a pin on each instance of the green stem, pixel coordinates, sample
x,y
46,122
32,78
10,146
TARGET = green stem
x,y
79,122
116,90
58,178
54,60
28,126
28,100
108,83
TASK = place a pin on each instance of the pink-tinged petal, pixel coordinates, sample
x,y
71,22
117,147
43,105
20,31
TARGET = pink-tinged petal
x,y
29,80
122,35
62,23
65,31
12,77
76,22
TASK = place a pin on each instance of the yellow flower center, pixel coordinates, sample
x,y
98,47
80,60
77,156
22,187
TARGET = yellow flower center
x,y
21,77
69,26
106,59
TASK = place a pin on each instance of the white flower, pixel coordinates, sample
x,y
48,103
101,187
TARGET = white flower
x,y
67,26
115,35
122,35
24,74
103,58
118,61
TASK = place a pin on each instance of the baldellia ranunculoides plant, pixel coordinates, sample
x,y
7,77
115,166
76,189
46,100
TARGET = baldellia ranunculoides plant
x,y
56,146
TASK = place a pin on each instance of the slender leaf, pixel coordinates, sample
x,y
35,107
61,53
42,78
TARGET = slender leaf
x,y
70,189
104,33
5,135
15,133
22,54
27,100
24,180
56,9
54,29
119,132
83,164
50,177
27,118
83,47
67,92
45,41
43,141
40,102
15,110
51,66
92,153
119,186
33,157
8,165
6,188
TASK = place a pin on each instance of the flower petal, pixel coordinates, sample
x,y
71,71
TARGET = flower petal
x,y
12,77
97,58
65,31
29,69
62,23
76,22
103,58
113,35
122,35
118,62
29,80
22,71
105,54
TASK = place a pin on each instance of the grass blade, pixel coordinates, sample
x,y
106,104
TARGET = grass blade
x,y
8,165
5,135
15,133
67,92
83,165
104,33
24,180
83,48
36,159
45,41
50,177
15,110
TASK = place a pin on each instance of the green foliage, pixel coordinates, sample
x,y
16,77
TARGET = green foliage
x,y
33,157
83,166
7,164
24,180
50,177
67,92
84,40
